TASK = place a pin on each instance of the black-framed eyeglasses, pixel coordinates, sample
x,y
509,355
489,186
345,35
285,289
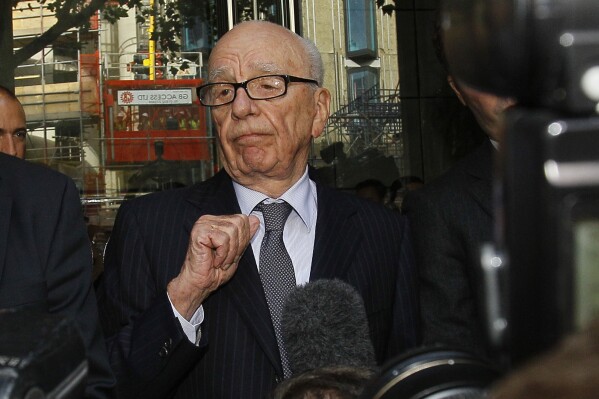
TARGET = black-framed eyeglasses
x,y
258,88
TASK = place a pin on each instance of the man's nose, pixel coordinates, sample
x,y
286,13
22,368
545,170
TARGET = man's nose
x,y
8,145
242,104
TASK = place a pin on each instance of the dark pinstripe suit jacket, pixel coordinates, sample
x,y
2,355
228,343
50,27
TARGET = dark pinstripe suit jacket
x,y
450,218
356,241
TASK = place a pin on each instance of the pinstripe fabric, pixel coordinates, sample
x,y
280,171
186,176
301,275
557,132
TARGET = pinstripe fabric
x,y
358,242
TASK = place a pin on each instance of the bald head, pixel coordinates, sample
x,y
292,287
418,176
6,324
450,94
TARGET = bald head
x,y
285,42
13,131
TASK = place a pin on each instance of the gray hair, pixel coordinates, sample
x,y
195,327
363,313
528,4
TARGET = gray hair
x,y
316,65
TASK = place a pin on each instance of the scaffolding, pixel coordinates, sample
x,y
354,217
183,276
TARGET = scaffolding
x,y
64,91
363,139
59,92
372,120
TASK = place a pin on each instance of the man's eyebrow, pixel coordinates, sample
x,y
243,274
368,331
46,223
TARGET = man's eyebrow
x,y
216,73
267,67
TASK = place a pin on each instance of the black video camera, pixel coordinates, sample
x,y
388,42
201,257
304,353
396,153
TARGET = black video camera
x,y
542,274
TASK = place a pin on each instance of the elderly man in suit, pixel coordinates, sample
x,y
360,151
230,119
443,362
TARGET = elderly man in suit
x,y
45,257
451,217
185,300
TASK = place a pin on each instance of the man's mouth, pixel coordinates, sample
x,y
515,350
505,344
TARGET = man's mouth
x,y
249,137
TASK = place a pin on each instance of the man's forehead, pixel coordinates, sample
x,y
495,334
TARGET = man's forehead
x,y
6,101
253,49
255,68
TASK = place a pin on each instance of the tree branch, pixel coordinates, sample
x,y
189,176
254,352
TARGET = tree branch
x,y
63,23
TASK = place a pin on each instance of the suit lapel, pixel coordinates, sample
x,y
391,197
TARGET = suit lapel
x,y
480,176
245,288
214,197
336,240
246,292
5,211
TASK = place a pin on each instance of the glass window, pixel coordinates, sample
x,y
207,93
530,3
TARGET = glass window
x,y
360,26
266,10
199,37
283,12
360,80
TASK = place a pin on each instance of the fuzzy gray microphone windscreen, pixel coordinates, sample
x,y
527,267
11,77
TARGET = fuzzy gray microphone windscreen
x,y
324,324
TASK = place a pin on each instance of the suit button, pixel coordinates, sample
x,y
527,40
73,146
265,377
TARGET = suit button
x,y
166,348
278,380
163,352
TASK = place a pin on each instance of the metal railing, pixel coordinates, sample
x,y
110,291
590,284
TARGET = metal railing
x,y
371,120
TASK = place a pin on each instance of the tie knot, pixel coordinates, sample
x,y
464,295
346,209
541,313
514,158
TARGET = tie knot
x,y
275,215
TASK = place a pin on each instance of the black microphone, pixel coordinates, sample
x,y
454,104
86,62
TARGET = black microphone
x,y
324,324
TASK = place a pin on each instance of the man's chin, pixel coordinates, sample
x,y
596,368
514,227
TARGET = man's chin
x,y
249,168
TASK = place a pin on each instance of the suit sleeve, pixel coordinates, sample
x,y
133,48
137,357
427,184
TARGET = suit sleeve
x,y
446,299
70,292
148,349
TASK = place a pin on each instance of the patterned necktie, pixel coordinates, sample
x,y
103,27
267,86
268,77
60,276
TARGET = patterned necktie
x,y
276,269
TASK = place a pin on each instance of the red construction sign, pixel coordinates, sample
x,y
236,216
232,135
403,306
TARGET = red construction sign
x,y
139,113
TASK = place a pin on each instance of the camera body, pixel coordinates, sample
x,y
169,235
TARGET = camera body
x,y
549,214
542,275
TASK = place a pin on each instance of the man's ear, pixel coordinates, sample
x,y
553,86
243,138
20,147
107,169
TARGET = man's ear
x,y
455,89
322,99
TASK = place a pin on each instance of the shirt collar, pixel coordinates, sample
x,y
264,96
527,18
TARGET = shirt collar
x,y
301,196
495,143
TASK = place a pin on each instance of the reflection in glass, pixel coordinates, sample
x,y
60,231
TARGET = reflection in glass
x,y
586,257
360,26
265,10
361,80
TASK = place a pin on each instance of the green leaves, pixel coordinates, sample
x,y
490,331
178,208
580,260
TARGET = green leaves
x,y
113,12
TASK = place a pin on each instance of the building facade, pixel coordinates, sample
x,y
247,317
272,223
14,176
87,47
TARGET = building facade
x,y
89,113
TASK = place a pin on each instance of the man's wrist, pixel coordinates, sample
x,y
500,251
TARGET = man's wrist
x,y
191,327
183,297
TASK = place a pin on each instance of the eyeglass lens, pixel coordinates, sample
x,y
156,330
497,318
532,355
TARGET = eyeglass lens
x,y
260,88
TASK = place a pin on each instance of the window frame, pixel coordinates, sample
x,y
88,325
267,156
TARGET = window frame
x,y
369,24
